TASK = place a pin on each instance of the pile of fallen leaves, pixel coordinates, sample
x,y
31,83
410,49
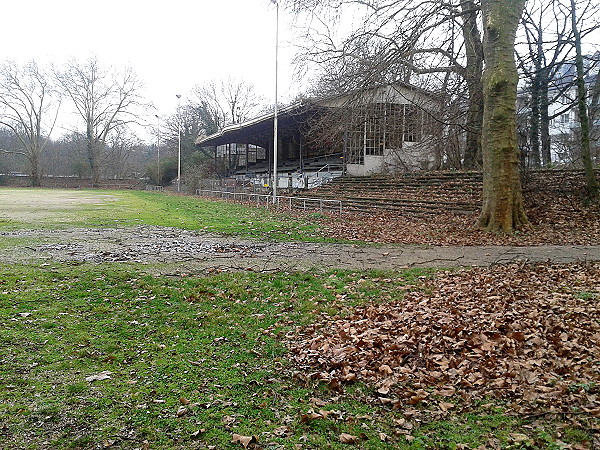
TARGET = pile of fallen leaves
x,y
526,334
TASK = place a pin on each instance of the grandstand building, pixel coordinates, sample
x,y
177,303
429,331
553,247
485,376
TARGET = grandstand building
x,y
384,129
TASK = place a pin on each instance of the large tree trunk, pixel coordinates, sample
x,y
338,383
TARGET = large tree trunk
x,y
502,193
92,146
594,114
586,155
474,53
534,122
545,118
34,169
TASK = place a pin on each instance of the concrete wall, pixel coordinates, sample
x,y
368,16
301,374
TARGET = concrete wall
x,y
414,156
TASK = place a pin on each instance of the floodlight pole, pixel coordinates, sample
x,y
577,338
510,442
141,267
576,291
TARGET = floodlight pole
x,y
158,148
275,115
178,142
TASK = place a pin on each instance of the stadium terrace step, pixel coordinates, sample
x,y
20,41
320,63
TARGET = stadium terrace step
x,y
458,192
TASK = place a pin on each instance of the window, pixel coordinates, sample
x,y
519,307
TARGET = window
x,y
261,153
380,126
412,123
221,151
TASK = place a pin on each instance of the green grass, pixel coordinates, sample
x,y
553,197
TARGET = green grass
x,y
216,341
39,208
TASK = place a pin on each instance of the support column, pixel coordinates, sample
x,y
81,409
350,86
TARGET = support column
x,y
228,159
247,154
215,159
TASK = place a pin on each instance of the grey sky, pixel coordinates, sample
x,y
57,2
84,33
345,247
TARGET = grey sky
x,y
172,45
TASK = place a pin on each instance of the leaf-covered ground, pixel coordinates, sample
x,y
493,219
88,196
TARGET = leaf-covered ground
x,y
557,221
555,203
527,336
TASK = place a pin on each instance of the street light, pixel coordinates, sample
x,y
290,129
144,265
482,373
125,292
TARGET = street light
x,y
275,118
178,142
158,148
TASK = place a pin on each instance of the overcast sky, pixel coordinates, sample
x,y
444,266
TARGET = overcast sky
x,y
172,45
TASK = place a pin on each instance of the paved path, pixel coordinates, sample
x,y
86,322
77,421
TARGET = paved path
x,y
197,251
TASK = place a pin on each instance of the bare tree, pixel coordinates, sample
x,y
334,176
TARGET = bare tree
x,y
432,44
104,98
473,73
435,37
545,58
224,103
584,122
503,209
120,150
29,106
188,123
594,113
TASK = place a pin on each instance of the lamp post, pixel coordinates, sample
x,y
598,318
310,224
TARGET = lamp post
x,y
178,143
275,115
158,148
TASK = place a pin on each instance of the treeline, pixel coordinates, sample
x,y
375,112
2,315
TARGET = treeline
x,y
122,158
106,129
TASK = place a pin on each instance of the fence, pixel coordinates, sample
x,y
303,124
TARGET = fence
x,y
303,203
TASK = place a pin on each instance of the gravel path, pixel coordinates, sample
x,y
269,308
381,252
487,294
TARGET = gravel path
x,y
188,250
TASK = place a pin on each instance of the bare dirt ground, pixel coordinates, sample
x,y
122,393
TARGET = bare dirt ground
x,y
30,204
197,251
456,245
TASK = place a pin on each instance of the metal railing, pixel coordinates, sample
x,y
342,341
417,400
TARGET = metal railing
x,y
304,203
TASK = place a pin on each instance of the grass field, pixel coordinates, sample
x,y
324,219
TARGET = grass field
x,y
42,208
215,342
112,357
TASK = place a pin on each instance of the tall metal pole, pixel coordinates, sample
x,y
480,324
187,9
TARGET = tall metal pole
x,y
178,143
275,116
158,148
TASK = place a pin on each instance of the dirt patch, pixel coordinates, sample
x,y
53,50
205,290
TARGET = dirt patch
x,y
26,205
190,250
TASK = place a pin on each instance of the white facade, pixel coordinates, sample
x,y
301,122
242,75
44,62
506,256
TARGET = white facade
x,y
386,129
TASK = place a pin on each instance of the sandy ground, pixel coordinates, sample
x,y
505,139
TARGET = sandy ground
x,y
30,205
196,251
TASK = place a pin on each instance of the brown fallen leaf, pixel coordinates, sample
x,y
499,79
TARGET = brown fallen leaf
x,y
519,437
385,369
182,411
244,441
317,402
346,438
384,437
447,391
518,332
228,420
184,401
310,416
445,406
